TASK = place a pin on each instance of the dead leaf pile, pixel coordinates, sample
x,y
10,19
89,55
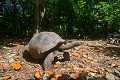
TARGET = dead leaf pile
x,y
93,60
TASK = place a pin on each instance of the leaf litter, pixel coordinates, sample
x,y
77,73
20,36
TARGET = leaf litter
x,y
92,60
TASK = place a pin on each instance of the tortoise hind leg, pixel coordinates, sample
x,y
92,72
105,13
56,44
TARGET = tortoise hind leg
x,y
47,64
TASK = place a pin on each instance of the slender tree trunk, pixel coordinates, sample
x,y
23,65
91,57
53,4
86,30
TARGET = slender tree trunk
x,y
39,14
37,17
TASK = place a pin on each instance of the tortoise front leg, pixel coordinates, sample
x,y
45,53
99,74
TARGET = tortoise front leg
x,y
66,56
64,53
47,64
56,53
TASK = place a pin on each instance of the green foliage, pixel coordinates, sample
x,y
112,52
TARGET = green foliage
x,y
69,18
17,17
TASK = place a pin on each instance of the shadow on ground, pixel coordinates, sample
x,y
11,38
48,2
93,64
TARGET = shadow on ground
x,y
113,51
29,58
109,50
26,55
11,42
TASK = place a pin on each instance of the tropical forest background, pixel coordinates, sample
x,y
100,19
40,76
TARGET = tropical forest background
x,y
68,18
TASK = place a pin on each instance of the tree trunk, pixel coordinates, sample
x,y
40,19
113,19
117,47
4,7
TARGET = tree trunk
x,y
39,14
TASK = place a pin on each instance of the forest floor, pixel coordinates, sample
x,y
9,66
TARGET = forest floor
x,y
93,60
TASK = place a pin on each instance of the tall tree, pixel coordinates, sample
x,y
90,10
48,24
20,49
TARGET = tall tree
x,y
39,14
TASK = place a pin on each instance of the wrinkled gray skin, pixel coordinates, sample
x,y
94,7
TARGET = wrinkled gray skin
x,y
48,45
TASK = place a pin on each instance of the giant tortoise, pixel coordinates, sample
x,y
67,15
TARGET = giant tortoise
x,y
48,45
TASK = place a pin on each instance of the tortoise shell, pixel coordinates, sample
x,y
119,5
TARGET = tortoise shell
x,y
43,43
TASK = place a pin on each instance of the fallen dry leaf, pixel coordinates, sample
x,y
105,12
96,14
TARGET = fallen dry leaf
x,y
79,69
92,70
74,75
1,67
69,68
53,78
101,49
16,66
49,72
16,58
77,54
37,74
6,65
90,58
84,56
115,65
57,66
57,75
89,49
27,67
6,77
88,61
